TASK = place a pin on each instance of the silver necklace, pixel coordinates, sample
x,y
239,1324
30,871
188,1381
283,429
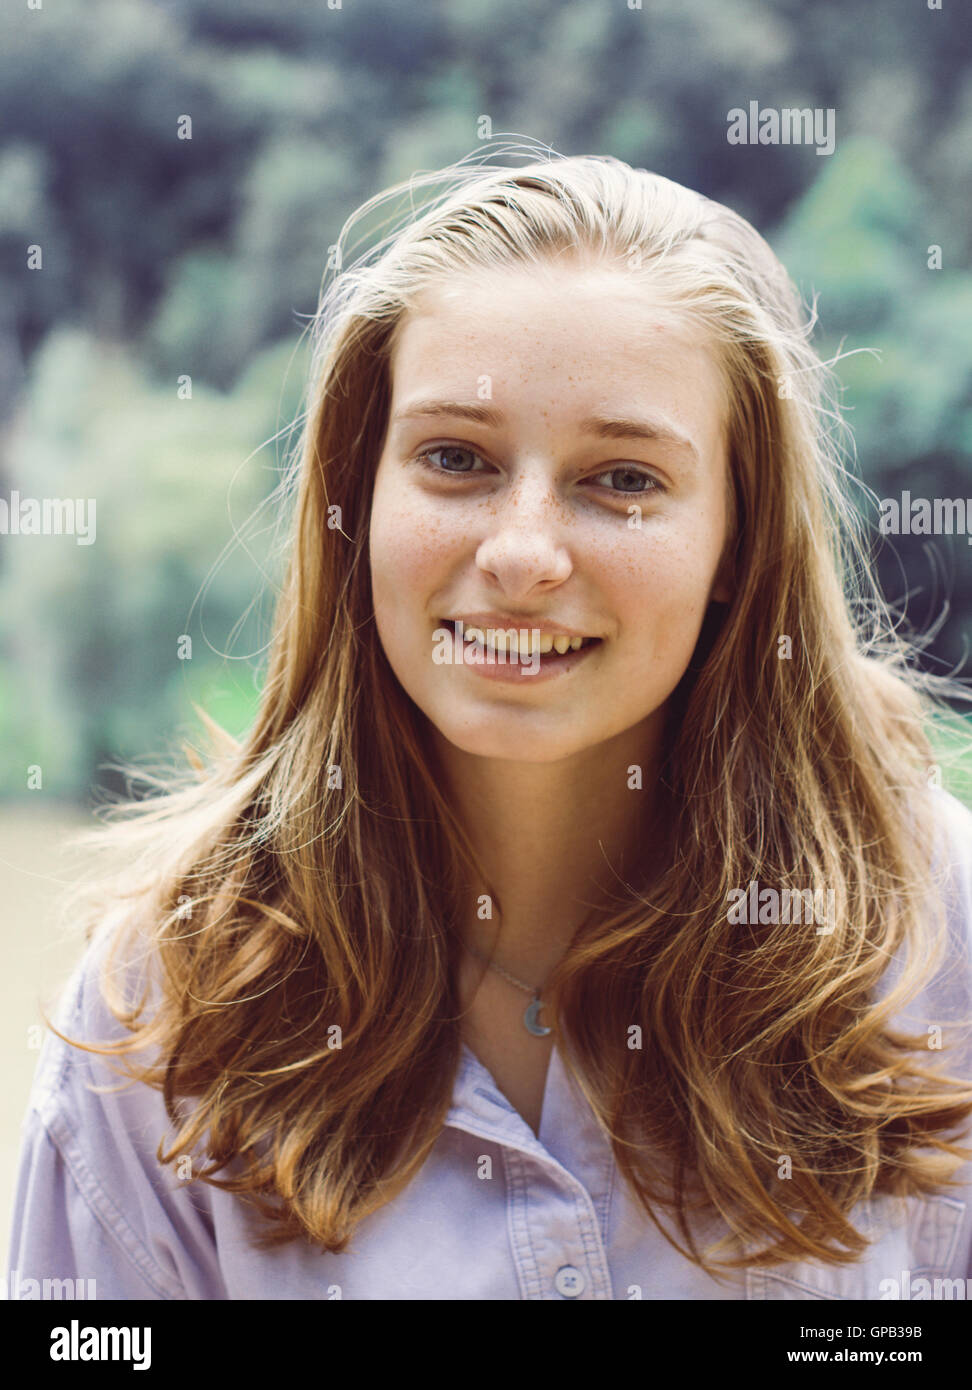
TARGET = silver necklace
x,y
531,1016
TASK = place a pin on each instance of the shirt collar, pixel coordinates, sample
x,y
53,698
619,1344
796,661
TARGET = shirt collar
x,y
570,1137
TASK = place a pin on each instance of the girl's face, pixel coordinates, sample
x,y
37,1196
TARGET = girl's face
x,y
555,458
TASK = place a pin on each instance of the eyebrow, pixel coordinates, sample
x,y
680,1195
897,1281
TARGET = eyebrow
x,y
601,426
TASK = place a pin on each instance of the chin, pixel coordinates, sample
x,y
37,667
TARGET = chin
x,y
507,738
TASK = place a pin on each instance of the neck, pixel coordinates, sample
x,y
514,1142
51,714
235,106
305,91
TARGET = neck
x,y
554,839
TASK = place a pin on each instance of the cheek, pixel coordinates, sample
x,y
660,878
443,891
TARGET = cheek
x,y
659,588
409,546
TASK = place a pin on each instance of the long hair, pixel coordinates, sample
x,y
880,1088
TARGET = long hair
x,y
297,894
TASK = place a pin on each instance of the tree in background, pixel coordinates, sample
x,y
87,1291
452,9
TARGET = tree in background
x,y
168,257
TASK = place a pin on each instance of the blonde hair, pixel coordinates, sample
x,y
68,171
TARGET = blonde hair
x,y
277,900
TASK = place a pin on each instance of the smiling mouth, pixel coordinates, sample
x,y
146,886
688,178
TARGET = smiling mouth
x,y
504,645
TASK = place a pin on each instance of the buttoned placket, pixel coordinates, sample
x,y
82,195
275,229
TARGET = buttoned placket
x,y
554,1220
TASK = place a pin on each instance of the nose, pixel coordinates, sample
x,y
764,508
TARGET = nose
x,y
524,546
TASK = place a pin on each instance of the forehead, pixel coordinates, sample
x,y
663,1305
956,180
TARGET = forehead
x,y
559,337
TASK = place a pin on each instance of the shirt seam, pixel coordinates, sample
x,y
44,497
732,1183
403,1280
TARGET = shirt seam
x,y
108,1215
594,1250
608,1202
524,1258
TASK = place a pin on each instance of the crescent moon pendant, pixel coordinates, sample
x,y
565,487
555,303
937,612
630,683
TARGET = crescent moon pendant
x,y
530,1020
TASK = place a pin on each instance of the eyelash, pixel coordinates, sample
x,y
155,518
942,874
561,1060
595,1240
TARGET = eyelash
x,y
423,459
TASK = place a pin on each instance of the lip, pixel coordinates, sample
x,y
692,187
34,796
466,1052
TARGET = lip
x,y
532,672
500,620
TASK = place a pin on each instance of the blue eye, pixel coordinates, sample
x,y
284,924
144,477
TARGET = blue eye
x,y
425,457
651,483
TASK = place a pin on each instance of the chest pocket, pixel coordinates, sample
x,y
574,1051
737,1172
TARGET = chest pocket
x,y
912,1238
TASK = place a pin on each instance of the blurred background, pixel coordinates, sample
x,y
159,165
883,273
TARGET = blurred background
x,y
168,260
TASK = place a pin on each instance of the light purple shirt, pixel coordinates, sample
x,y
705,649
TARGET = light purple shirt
x,y
496,1212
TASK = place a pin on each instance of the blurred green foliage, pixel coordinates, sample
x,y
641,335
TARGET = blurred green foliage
x,y
96,638
168,258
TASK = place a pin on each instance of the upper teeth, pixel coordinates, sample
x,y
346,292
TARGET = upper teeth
x,y
504,640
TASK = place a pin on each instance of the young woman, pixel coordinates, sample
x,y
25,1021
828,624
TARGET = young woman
x,y
577,920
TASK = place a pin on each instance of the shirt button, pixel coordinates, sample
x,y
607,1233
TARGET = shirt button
x,y
569,1282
